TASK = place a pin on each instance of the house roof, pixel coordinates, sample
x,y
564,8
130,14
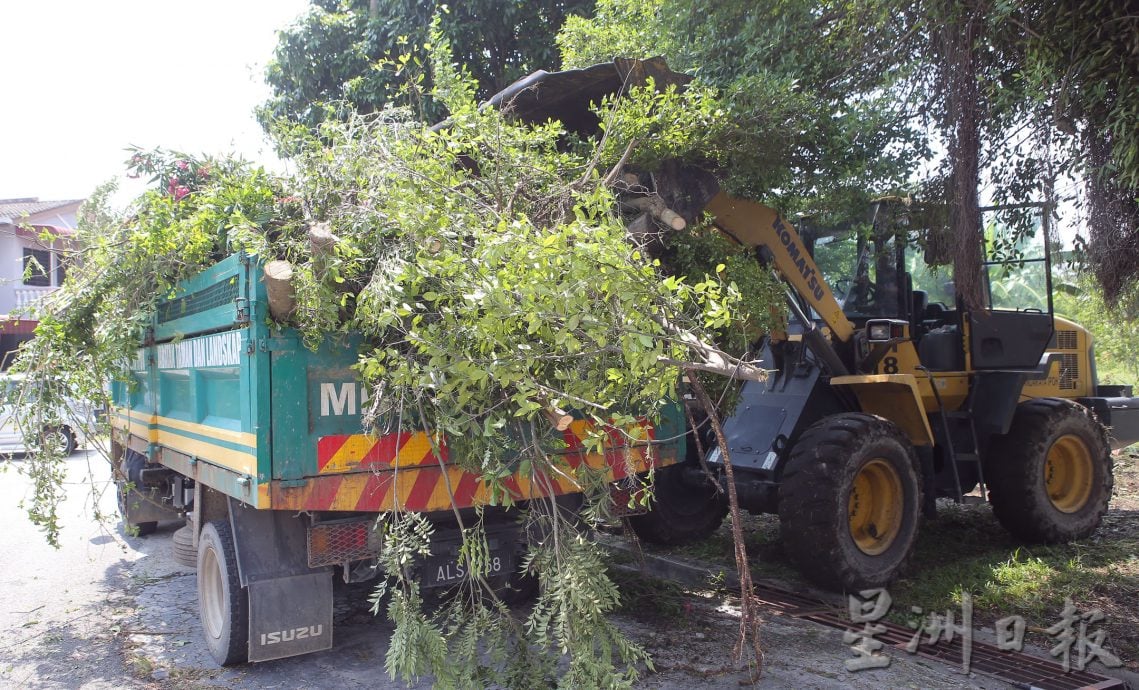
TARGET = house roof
x,y
15,209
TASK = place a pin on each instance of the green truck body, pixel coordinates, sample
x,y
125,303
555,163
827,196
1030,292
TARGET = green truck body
x,y
230,422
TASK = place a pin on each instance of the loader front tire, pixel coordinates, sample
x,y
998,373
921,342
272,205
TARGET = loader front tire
x,y
223,604
1050,476
849,502
682,511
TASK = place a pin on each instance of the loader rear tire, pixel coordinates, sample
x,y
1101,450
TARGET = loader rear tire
x,y
849,502
223,604
682,511
1050,476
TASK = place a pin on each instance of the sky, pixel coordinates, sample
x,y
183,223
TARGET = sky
x,y
80,80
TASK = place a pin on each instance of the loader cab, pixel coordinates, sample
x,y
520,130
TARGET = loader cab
x,y
867,265
1014,331
892,267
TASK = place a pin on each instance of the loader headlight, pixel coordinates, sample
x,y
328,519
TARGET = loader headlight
x,y
885,329
879,331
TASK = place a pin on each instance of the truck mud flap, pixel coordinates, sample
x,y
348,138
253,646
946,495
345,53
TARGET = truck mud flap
x,y
290,615
290,604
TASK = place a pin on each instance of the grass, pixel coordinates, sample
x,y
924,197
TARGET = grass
x,y
1006,578
965,550
643,596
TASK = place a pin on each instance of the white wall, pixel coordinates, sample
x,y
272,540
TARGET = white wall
x,y
13,293
11,268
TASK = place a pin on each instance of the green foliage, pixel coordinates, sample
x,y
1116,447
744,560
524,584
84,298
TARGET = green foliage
x,y
569,617
616,29
833,103
1077,63
364,54
807,121
665,124
198,210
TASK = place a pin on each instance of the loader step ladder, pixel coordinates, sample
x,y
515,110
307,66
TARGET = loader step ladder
x,y
972,456
965,413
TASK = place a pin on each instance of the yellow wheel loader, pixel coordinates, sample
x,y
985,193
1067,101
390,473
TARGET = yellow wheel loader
x,y
885,391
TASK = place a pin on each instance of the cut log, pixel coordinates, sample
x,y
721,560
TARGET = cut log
x,y
672,219
320,239
560,419
279,287
655,205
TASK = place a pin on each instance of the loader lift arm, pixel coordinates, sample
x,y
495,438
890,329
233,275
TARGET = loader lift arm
x,y
754,225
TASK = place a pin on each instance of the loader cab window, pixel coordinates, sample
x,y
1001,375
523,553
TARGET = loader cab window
x,y
1015,329
1016,265
864,271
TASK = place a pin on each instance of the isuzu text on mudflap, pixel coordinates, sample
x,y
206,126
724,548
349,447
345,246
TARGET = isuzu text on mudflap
x,y
257,442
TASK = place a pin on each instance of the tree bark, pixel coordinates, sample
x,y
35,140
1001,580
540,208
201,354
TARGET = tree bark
x,y
279,287
965,108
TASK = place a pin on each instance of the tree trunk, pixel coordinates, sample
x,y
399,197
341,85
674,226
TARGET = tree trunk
x,y
965,109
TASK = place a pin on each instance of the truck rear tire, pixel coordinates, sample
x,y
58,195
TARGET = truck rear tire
x,y
140,529
682,511
1050,476
223,604
850,501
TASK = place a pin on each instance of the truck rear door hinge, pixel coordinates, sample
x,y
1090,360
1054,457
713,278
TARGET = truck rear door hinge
x,y
242,306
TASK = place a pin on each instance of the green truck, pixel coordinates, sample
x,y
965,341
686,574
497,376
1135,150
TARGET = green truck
x,y
229,422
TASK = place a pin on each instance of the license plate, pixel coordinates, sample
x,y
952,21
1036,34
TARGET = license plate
x,y
445,567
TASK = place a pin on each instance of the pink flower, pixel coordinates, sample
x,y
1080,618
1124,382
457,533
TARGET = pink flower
x,y
180,192
182,165
204,170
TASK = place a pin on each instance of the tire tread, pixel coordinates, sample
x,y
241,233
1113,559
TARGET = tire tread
x,y
1011,469
237,649
811,482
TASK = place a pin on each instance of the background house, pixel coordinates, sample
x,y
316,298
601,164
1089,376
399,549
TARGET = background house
x,y
34,237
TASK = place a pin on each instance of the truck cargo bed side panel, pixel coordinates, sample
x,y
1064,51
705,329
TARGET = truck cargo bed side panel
x,y
314,395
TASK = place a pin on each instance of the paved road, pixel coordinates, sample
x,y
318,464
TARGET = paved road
x,y
59,608
109,611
